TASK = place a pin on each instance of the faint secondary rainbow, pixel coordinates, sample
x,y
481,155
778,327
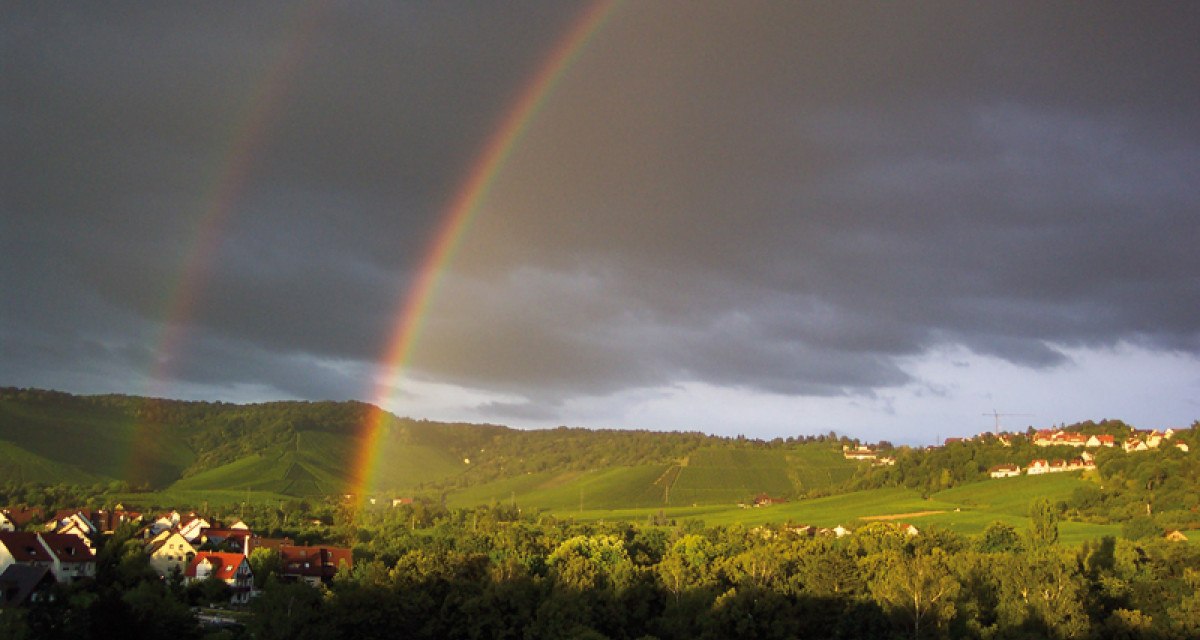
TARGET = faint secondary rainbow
x,y
457,218
242,148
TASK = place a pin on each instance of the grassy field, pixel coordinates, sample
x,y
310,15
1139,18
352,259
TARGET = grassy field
x,y
403,465
220,503
967,509
715,477
617,487
1013,495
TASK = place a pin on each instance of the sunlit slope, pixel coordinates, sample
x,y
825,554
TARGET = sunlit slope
x,y
1011,496
709,476
966,510
402,464
716,476
96,440
612,488
322,463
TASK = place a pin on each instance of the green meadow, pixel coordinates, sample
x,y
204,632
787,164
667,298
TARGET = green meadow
x,y
967,509
706,477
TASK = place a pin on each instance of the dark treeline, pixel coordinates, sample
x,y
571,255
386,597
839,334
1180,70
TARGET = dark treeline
x,y
493,573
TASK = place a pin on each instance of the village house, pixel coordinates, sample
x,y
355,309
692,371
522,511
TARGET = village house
x,y
15,518
1004,471
76,523
885,461
1176,536
21,584
1048,438
861,452
165,521
231,568
1038,467
170,552
1182,446
107,521
1101,440
65,555
1134,444
764,500
314,565
191,526
233,540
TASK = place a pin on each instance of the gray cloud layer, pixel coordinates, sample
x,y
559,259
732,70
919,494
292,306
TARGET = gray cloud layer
x,y
785,198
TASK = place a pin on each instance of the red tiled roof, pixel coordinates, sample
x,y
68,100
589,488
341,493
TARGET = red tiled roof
x,y
68,548
314,561
224,565
24,546
21,516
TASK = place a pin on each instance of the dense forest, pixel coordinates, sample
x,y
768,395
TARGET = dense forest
x,y
492,573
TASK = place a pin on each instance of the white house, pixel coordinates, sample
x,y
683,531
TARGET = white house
x,y
169,551
1004,471
232,568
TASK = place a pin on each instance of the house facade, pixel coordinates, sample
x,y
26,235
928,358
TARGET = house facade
x,y
314,565
170,552
64,555
231,568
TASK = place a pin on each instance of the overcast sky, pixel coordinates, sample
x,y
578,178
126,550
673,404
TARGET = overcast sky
x,y
884,219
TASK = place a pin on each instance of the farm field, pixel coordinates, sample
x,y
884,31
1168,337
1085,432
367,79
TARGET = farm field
x,y
613,488
713,477
966,510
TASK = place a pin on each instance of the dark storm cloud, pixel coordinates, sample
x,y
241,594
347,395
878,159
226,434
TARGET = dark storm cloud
x,y
121,125
789,202
773,197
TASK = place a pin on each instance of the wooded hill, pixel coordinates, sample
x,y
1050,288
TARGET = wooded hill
x,y
298,449
310,448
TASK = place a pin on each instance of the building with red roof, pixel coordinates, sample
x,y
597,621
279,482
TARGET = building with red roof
x,y
231,568
65,555
314,565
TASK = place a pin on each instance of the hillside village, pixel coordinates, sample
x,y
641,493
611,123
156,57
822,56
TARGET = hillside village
x,y
1135,441
36,552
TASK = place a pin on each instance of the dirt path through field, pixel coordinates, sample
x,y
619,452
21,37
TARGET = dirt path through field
x,y
901,516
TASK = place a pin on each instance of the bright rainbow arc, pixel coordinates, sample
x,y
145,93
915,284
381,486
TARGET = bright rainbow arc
x,y
461,210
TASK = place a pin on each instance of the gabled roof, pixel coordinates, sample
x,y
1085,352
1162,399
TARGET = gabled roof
x,y
19,581
68,548
20,516
314,561
25,547
224,565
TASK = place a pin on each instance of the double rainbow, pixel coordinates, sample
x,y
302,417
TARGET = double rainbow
x,y
455,221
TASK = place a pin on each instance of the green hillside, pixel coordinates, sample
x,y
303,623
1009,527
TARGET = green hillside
x,y
1013,495
613,488
98,440
708,476
21,465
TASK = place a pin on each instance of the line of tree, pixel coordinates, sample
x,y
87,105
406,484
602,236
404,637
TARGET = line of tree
x,y
493,573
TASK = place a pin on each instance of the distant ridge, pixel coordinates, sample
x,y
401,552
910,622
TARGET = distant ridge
x,y
308,448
